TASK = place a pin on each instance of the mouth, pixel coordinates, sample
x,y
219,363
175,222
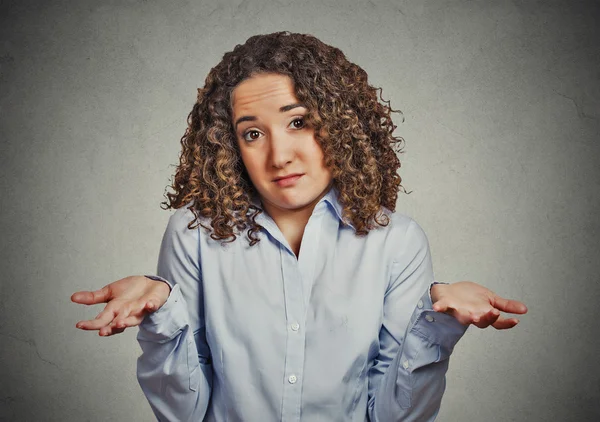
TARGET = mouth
x,y
288,176
287,180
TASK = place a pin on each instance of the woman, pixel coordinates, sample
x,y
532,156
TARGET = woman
x,y
327,310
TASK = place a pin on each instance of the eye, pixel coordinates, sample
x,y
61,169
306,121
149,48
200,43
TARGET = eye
x,y
251,135
298,123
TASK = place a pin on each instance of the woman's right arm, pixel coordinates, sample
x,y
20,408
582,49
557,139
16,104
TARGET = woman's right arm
x,y
174,370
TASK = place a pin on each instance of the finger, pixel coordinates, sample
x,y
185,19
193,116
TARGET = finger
x,y
153,302
505,323
488,318
103,319
465,318
441,305
509,305
135,313
126,316
105,331
92,298
147,304
130,321
150,306
110,331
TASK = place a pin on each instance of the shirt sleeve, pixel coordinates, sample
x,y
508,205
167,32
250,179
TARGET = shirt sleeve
x,y
408,377
174,369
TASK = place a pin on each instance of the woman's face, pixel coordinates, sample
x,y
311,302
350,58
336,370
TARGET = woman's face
x,y
283,159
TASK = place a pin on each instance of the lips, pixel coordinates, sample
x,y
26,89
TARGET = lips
x,y
287,176
287,180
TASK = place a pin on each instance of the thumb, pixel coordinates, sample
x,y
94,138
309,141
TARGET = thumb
x,y
441,305
91,298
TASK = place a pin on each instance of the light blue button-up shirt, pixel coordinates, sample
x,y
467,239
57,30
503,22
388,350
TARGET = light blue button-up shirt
x,y
346,332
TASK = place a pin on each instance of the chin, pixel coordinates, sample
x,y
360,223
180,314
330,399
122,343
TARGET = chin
x,y
292,202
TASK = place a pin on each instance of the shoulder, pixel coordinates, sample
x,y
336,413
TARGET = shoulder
x,y
404,227
405,236
178,232
399,221
181,219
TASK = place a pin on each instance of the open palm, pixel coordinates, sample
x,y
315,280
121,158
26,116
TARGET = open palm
x,y
127,300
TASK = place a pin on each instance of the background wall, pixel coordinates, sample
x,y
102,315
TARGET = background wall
x,y
502,107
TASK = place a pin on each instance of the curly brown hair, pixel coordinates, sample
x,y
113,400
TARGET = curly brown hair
x,y
352,125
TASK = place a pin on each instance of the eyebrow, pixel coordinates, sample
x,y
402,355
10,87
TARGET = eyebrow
x,y
281,110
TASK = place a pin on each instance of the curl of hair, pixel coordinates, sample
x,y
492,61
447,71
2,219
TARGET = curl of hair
x,y
351,123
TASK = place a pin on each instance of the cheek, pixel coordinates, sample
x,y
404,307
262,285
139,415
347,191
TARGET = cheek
x,y
316,156
320,159
252,164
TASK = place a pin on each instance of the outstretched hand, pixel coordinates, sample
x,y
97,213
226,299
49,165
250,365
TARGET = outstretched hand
x,y
471,303
128,301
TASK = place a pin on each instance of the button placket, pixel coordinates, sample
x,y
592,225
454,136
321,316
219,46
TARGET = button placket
x,y
295,345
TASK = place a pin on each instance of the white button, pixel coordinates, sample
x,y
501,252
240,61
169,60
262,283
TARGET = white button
x,y
292,379
295,326
405,364
429,318
420,304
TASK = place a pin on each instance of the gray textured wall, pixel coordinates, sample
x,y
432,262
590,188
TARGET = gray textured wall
x,y
502,106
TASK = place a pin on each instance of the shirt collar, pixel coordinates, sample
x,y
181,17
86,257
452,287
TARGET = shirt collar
x,y
331,198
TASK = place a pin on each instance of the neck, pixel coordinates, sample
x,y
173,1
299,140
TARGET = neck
x,y
289,218
292,222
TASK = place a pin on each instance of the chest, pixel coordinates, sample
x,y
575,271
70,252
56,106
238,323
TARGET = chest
x,y
334,290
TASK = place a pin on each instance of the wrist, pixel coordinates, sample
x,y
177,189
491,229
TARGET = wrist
x,y
437,291
158,293
164,288
160,279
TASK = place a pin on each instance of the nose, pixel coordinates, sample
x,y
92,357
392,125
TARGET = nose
x,y
282,150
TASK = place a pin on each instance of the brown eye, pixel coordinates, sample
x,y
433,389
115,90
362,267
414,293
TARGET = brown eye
x,y
251,135
298,123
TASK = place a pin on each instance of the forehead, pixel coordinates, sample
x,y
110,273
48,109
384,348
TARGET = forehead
x,y
262,91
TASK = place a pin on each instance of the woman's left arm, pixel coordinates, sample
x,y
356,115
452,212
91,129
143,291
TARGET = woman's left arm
x,y
407,380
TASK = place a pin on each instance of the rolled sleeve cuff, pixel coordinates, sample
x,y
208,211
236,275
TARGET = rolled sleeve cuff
x,y
159,278
165,323
436,327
